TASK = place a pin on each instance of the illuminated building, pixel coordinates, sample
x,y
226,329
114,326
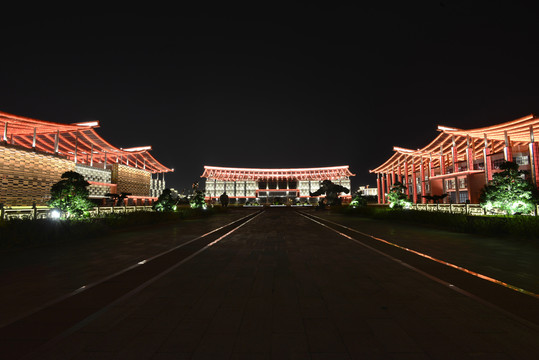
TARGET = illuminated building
x,y
460,162
368,191
35,153
266,185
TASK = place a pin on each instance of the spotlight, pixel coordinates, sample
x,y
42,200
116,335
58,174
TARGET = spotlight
x,y
55,214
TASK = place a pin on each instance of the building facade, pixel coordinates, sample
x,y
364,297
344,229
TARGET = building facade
x,y
460,162
268,185
35,153
368,191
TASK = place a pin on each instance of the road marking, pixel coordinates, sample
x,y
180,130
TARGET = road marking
x,y
476,274
102,280
139,288
432,277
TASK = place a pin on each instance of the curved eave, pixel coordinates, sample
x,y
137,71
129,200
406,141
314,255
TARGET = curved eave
x,y
20,126
255,174
518,132
79,138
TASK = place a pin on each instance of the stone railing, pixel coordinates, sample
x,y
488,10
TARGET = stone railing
x,y
44,212
468,209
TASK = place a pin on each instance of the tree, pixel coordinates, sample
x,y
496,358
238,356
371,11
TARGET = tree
x,y
332,192
167,201
358,200
509,191
70,195
197,200
397,197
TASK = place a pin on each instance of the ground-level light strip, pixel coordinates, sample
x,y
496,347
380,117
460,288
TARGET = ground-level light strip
x,y
476,274
432,277
109,277
243,221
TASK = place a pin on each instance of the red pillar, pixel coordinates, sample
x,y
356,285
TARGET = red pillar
x,y
534,151
399,173
454,159
414,181
383,189
392,175
405,182
379,190
507,151
469,159
422,174
487,162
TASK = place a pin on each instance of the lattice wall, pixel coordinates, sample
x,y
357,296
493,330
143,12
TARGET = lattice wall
x,y
157,187
131,180
97,175
27,177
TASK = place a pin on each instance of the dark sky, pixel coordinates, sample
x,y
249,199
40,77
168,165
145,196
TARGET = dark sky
x,y
292,86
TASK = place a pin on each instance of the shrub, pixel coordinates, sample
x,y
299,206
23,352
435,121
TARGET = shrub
x,y
509,191
70,195
397,197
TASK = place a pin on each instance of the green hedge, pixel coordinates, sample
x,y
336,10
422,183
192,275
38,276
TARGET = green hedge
x,y
526,227
17,234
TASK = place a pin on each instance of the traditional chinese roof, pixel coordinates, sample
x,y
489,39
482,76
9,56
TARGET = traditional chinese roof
x,y
517,132
77,141
234,174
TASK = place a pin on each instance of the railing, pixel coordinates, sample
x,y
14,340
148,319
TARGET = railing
x,y
468,209
45,212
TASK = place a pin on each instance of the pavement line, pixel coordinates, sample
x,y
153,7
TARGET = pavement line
x,y
476,274
136,290
432,277
102,280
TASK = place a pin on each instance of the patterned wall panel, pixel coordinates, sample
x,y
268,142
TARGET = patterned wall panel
x,y
94,174
156,188
27,177
99,175
131,180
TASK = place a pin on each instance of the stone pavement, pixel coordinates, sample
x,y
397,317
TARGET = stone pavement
x,y
283,287
510,260
32,277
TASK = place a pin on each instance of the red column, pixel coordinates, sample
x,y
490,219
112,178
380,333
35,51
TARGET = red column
x,y
534,149
414,181
392,175
378,185
405,182
488,164
383,189
469,159
399,173
507,151
422,174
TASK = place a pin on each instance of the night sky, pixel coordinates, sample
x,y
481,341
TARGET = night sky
x,y
291,86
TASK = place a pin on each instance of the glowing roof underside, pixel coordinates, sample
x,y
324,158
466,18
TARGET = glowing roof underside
x,y
518,132
81,137
233,174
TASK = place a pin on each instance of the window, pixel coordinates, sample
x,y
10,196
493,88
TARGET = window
x,y
522,160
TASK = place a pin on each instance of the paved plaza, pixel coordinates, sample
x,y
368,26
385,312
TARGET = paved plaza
x,y
279,287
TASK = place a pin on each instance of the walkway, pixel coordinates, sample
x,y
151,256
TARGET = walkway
x,y
284,287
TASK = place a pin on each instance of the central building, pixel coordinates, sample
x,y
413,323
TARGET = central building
x,y
268,185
